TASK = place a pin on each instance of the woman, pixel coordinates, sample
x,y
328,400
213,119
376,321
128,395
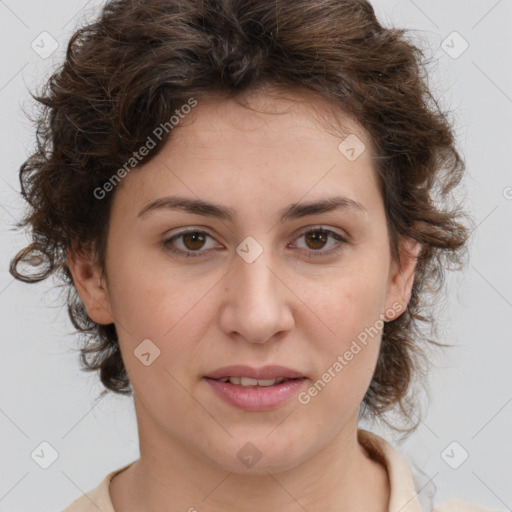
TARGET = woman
x,y
250,202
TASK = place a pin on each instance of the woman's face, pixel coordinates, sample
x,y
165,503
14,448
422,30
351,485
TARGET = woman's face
x,y
215,259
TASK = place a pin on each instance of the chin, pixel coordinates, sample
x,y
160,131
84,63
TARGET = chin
x,y
259,455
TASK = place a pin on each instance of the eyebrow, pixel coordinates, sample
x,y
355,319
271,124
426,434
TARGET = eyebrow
x,y
293,211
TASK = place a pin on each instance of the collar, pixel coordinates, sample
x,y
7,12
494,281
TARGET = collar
x,y
403,495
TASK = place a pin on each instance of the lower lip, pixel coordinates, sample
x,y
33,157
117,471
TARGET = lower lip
x,y
256,398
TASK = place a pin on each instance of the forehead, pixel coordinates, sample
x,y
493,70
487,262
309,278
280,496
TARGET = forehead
x,y
263,114
268,148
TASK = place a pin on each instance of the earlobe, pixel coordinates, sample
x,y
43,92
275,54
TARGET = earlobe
x,y
90,285
402,277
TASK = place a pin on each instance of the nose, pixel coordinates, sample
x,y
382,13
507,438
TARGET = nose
x,y
257,305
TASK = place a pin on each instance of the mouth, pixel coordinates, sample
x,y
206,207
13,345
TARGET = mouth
x,y
250,374
248,382
255,389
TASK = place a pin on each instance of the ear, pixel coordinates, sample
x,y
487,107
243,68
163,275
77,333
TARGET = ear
x,y
402,278
90,285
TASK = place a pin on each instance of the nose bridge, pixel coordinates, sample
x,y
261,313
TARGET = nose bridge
x,y
257,306
258,284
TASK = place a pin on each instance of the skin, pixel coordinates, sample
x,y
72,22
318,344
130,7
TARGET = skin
x,y
287,307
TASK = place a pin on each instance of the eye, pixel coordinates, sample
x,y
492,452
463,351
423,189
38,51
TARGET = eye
x,y
197,243
320,242
190,243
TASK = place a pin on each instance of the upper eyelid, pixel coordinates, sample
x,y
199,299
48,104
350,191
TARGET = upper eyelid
x,y
318,227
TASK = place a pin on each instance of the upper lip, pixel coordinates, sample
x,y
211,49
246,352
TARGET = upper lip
x,y
266,372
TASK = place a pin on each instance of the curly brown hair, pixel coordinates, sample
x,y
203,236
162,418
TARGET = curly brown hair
x,y
126,72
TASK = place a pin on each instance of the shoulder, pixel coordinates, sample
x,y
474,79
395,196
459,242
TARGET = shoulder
x,y
404,496
455,505
97,498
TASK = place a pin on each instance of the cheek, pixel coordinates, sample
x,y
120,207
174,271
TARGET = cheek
x,y
148,299
347,302
168,307
345,360
349,316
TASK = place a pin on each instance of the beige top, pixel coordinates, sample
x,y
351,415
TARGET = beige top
x,y
403,495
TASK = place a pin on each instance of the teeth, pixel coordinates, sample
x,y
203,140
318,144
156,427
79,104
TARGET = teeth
x,y
248,382
263,382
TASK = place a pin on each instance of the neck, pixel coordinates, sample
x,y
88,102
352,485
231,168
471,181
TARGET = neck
x,y
169,477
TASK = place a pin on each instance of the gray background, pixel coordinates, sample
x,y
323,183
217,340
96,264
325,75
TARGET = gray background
x,y
45,398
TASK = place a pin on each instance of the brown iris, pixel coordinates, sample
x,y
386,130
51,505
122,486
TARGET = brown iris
x,y
316,239
194,240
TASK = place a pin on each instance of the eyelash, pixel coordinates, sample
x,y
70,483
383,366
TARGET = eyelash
x,y
310,253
